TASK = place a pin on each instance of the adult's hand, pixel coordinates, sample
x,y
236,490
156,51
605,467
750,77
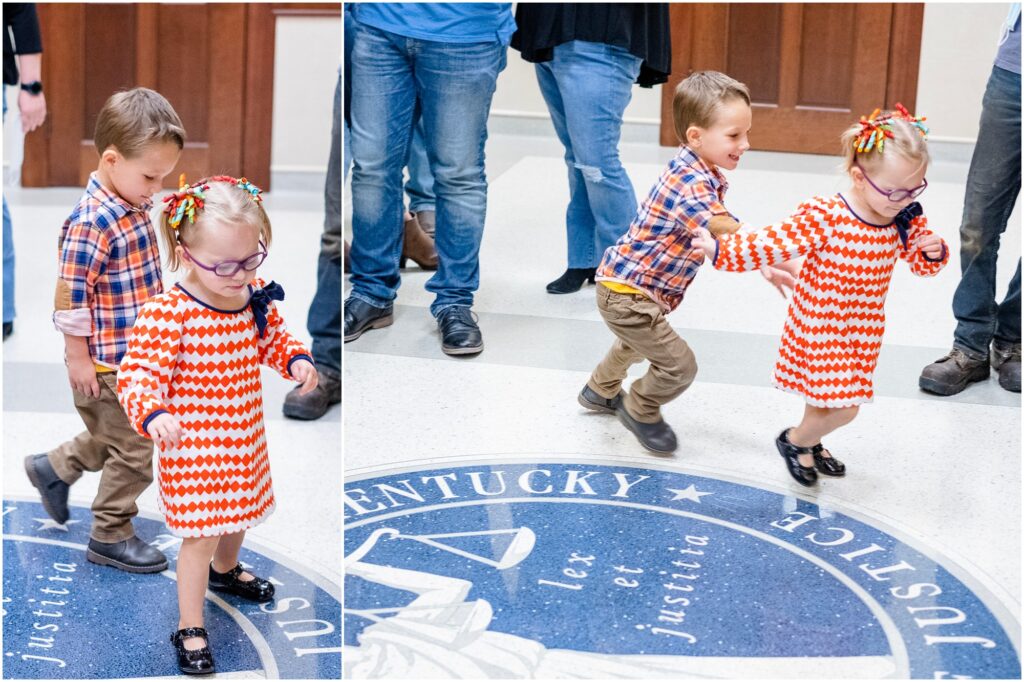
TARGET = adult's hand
x,y
32,109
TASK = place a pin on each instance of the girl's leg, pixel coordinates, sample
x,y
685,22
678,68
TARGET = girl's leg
x,y
193,573
817,423
226,556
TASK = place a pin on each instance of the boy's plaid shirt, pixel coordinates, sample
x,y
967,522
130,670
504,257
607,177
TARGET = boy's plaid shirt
x,y
110,262
655,255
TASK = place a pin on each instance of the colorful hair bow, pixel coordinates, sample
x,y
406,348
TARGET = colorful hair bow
x,y
241,183
876,127
186,202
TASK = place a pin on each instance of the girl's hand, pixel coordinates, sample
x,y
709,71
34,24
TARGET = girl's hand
x,y
82,376
703,241
931,246
305,372
778,278
164,430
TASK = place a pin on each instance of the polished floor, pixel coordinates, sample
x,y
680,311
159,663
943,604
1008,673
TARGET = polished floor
x,y
297,636
493,528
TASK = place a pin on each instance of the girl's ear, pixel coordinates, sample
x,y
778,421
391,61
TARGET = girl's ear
x,y
182,256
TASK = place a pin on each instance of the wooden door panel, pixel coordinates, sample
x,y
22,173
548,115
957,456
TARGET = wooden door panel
x,y
812,69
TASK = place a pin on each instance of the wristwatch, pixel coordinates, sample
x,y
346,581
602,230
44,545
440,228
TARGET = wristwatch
x,y
33,88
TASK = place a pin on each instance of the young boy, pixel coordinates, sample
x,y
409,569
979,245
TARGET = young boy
x,y
109,266
644,275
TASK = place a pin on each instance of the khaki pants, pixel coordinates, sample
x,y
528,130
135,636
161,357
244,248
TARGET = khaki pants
x,y
109,444
643,334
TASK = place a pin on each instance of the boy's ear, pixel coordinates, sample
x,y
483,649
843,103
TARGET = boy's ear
x,y
109,156
693,134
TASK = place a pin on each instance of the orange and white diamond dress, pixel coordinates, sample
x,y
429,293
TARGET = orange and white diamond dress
x,y
833,332
202,365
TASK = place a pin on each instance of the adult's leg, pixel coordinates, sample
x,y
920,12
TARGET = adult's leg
x,y
993,183
420,186
596,84
8,304
383,102
455,84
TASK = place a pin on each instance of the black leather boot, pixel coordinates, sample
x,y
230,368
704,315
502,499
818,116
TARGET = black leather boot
x,y
131,555
658,437
591,400
361,316
572,280
52,490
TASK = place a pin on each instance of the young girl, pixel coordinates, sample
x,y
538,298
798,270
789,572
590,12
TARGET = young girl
x,y
851,241
190,380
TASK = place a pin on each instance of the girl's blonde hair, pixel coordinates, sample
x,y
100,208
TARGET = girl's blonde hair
x,y
224,200
907,141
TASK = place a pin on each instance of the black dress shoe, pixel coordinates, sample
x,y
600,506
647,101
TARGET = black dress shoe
x,y
830,466
589,399
52,490
658,437
193,661
360,316
257,589
805,476
572,280
460,334
131,555
314,404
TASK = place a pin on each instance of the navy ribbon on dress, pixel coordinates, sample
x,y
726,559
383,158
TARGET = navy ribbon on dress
x,y
260,302
903,219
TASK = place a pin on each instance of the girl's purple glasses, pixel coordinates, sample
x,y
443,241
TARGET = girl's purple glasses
x,y
896,194
228,268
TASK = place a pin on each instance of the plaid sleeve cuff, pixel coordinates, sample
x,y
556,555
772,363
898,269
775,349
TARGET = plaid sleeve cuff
x,y
77,322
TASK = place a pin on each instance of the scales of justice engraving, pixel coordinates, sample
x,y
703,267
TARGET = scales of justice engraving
x,y
443,632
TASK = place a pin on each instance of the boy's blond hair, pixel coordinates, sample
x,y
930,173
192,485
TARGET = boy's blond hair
x,y
699,95
224,203
906,141
133,119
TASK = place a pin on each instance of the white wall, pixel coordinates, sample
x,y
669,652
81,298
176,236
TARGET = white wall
x,y
957,48
307,55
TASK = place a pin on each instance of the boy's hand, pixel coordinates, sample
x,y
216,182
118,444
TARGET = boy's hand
x,y
778,278
305,372
82,375
931,246
164,430
703,241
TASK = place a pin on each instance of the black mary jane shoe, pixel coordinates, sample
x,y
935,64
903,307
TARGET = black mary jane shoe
x,y
805,476
830,466
193,661
257,589
572,280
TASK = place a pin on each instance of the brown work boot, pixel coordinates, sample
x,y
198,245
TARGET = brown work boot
x,y
1006,361
952,373
417,245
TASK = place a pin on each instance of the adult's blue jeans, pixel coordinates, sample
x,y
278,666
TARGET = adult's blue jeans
x,y
324,318
587,87
453,84
993,183
8,254
420,187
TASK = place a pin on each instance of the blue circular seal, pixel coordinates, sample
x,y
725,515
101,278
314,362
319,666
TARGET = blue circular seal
x,y
514,569
64,617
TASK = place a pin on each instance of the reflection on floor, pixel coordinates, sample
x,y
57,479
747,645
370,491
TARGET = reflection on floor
x,y
908,567
112,611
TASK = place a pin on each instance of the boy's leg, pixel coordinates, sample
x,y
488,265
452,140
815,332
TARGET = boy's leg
x,y
127,471
673,365
606,380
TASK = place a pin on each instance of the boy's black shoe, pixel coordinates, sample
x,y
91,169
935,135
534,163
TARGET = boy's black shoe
x,y
52,490
805,476
460,334
257,589
314,404
131,555
361,316
193,661
830,466
1006,361
589,399
952,373
657,437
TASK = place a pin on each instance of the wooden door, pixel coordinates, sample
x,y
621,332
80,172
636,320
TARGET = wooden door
x,y
812,69
213,62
